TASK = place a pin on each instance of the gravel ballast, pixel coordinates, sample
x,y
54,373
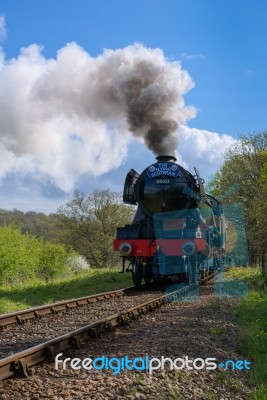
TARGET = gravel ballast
x,y
202,328
15,338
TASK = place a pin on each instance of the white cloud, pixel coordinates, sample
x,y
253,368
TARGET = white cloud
x,y
69,117
203,149
46,104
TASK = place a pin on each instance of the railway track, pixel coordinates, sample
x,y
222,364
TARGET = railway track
x,y
22,316
18,364
38,350
18,337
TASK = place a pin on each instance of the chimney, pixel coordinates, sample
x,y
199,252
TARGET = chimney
x,y
162,159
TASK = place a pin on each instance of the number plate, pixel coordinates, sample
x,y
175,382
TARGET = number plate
x,y
162,181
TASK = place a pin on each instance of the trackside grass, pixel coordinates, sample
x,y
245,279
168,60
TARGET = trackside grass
x,y
251,310
36,292
252,315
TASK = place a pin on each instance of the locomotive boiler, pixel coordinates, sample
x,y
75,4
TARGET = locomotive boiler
x,y
178,230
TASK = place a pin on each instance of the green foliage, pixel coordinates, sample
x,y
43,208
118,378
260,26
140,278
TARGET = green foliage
x,y
252,315
210,396
89,223
218,330
24,256
243,180
37,224
86,224
52,262
19,255
251,275
79,284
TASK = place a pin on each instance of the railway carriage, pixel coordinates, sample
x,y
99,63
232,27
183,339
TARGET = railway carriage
x,y
178,230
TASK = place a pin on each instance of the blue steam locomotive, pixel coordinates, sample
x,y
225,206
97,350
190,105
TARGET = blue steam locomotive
x,y
178,230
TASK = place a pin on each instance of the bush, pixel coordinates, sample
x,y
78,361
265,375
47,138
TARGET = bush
x,y
77,263
19,255
24,257
53,261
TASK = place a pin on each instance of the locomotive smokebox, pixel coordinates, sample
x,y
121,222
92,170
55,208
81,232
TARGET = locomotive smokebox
x,y
162,159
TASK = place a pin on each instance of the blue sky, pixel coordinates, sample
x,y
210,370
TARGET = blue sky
x,y
221,45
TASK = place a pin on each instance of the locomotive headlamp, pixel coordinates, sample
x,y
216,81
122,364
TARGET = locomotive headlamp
x,y
189,248
125,249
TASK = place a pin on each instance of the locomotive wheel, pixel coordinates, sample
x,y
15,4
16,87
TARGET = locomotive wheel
x,y
137,273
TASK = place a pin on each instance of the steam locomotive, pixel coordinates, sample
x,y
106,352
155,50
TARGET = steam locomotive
x,y
178,230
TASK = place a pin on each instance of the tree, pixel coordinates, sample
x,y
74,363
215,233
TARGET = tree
x,y
37,224
89,224
242,179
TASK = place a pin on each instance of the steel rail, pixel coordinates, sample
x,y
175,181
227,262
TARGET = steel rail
x,y
18,364
20,316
